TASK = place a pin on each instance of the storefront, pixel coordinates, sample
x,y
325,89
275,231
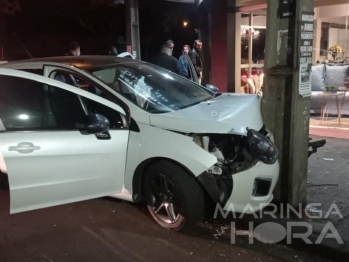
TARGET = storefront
x,y
238,32
330,56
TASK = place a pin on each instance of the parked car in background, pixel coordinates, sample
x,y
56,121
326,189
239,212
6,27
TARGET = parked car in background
x,y
125,55
76,128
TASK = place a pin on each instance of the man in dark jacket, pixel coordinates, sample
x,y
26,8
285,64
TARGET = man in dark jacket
x,y
170,44
74,49
113,51
166,60
195,56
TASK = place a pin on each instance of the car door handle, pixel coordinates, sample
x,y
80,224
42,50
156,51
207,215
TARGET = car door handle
x,y
24,148
103,136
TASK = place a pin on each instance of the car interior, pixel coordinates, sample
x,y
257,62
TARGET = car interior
x,y
92,107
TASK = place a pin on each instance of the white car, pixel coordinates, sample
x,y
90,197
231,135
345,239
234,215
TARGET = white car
x,y
77,128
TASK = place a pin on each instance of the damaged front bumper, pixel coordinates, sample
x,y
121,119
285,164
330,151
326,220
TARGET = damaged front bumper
x,y
248,181
219,188
252,188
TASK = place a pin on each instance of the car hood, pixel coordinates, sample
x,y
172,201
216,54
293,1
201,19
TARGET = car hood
x,y
227,113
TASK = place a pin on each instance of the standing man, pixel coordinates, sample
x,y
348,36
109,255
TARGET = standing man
x,y
74,49
195,56
165,60
170,44
113,51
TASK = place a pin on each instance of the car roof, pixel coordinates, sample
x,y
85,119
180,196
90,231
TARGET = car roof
x,y
83,62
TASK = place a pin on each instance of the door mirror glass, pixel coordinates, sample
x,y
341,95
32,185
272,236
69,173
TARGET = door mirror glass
x,y
96,123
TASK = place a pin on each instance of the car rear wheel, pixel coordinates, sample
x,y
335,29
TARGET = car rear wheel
x,y
175,200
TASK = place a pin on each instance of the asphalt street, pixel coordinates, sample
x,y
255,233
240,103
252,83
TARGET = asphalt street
x,y
106,229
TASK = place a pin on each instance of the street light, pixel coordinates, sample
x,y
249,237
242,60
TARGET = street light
x,y
185,24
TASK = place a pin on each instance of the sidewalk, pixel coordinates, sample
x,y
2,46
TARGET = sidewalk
x,y
328,183
329,128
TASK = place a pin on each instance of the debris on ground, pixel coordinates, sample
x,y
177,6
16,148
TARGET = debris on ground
x,y
313,210
47,258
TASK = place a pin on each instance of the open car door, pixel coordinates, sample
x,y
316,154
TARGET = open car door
x,y
49,157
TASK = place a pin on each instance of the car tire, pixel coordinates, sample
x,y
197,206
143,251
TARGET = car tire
x,y
178,204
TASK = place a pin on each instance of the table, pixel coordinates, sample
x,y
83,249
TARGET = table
x,y
344,90
324,95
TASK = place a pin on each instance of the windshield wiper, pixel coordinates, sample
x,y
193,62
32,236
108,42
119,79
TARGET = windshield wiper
x,y
196,103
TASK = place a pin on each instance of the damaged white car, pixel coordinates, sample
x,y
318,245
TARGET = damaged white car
x,y
102,126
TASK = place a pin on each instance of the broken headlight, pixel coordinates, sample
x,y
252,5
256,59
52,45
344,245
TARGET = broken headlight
x,y
261,147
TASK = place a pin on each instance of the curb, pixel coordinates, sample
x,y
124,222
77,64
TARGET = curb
x,y
334,132
330,127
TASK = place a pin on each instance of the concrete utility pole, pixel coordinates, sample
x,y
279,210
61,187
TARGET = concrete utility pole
x,y
286,92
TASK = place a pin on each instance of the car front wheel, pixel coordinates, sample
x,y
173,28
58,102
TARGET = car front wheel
x,y
175,200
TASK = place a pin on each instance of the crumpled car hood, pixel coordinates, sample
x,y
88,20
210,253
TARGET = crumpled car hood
x,y
227,113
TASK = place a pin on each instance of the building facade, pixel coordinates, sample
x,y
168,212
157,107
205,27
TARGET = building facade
x,y
234,33
246,32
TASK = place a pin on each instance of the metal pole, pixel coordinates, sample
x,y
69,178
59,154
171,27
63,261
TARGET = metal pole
x,y
346,33
286,92
234,48
132,28
250,45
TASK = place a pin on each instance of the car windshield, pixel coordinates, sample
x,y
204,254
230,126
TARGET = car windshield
x,y
152,88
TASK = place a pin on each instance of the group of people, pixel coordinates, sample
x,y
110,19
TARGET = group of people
x,y
74,50
189,63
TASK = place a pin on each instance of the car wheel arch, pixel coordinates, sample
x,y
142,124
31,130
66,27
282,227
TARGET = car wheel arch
x,y
137,181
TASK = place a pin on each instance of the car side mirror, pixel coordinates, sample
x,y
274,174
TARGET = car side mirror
x,y
212,88
96,123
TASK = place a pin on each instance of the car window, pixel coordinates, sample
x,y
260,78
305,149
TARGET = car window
x,y
80,82
116,119
88,86
106,75
152,88
27,105
64,77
